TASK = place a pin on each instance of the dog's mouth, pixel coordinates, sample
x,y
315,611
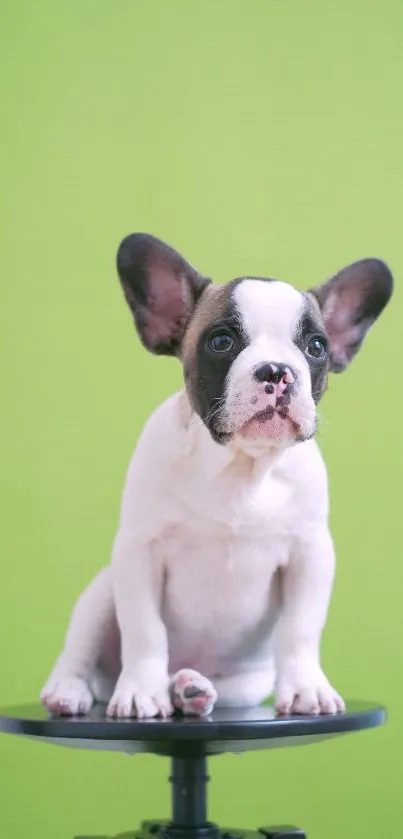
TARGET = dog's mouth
x,y
271,423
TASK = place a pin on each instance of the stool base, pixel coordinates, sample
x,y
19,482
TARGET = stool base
x,y
154,829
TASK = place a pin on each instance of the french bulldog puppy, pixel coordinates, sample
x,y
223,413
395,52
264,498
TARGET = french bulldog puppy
x,y
222,567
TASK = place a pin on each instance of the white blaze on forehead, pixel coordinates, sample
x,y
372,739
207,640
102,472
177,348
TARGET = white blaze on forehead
x,y
268,308
270,313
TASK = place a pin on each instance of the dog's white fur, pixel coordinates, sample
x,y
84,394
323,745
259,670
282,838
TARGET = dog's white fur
x,y
269,315
223,563
207,538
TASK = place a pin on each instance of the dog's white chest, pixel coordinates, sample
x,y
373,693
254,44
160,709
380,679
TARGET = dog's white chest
x,y
218,526
220,589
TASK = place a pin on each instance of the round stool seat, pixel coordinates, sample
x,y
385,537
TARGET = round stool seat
x,y
226,730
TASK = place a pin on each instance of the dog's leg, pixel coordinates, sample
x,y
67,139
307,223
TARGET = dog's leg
x,y
67,690
306,583
193,694
142,689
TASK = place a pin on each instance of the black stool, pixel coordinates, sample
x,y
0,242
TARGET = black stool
x,y
188,742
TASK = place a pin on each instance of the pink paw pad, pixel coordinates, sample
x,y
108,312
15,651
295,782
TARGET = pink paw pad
x,y
192,693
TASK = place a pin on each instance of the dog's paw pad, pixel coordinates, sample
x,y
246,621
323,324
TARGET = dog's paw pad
x,y
192,693
67,697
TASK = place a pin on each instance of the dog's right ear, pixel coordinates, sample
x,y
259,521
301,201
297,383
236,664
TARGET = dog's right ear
x,y
161,288
350,302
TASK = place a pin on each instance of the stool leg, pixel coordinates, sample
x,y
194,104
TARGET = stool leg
x,y
189,791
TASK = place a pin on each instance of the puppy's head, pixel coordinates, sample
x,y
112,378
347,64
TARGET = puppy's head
x,y
256,352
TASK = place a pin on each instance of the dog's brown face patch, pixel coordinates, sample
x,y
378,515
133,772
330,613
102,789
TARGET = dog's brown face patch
x,y
206,371
311,324
212,307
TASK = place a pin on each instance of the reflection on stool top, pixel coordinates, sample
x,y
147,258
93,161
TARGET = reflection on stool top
x,y
226,730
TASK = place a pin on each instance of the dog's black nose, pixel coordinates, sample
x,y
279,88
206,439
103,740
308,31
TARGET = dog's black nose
x,y
275,373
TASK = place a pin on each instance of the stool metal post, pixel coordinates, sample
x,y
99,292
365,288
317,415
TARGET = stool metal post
x,y
189,781
189,791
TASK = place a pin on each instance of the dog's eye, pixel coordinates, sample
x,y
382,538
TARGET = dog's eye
x,y
317,348
221,343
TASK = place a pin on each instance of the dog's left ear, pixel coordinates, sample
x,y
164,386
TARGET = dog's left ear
x,y
350,302
161,288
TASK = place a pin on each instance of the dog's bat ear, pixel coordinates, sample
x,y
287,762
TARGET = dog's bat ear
x,y
161,288
350,302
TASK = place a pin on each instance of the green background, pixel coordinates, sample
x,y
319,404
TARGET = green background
x,y
256,136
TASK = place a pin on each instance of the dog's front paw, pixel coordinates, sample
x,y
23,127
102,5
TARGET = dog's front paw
x,y
192,693
67,696
310,695
135,698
